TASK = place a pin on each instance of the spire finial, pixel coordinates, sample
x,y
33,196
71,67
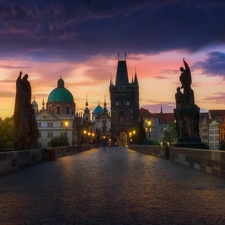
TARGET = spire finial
x,y
43,103
86,101
161,109
125,54
118,56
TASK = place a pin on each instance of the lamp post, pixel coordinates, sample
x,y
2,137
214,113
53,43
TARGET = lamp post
x,y
85,132
149,130
66,124
130,140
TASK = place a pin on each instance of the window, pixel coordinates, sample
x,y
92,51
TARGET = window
x,y
39,124
50,124
211,138
67,110
58,110
50,135
117,103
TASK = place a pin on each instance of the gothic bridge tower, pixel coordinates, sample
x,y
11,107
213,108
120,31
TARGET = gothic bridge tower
x,y
124,104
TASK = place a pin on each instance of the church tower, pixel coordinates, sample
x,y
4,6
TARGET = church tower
x,y
124,104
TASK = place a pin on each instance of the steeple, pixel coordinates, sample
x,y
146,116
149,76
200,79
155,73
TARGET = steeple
x,y
105,109
121,75
86,111
135,78
43,103
161,109
35,105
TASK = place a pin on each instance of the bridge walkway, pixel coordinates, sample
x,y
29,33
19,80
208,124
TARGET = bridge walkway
x,y
111,186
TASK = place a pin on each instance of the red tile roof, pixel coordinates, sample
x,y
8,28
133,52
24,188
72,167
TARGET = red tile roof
x,y
144,113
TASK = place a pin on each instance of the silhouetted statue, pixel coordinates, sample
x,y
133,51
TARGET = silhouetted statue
x,y
25,125
179,97
186,112
185,77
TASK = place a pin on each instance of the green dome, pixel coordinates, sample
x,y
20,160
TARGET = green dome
x,y
60,95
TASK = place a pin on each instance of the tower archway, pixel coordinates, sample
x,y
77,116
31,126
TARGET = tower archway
x,y
122,139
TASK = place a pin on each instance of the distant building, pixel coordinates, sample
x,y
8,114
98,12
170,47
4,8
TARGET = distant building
x,y
124,97
214,135
156,123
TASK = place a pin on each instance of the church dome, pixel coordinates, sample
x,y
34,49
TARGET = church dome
x,y
60,94
34,103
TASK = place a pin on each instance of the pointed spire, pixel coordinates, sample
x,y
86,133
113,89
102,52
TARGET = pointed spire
x,y
105,109
118,56
125,55
43,103
135,77
161,109
86,102
111,82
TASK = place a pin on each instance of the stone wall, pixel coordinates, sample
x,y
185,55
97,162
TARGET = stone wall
x,y
208,161
11,161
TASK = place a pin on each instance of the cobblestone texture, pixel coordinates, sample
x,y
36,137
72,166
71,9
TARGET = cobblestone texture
x,y
111,186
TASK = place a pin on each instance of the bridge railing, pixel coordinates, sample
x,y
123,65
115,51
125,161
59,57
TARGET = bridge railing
x,y
11,161
208,161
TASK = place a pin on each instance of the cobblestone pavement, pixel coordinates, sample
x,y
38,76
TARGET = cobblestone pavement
x,y
111,186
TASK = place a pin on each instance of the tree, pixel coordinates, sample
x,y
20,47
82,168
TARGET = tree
x,y
170,134
142,133
6,133
61,140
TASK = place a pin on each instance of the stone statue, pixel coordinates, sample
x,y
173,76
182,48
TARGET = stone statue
x,y
25,125
186,112
185,77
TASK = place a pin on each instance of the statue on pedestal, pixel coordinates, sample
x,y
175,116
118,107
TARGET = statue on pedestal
x,y
25,125
187,112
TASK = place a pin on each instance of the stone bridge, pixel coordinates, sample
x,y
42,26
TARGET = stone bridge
x,y
111,185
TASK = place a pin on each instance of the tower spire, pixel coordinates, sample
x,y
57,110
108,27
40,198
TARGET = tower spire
x,y
135,77
43,103
118,56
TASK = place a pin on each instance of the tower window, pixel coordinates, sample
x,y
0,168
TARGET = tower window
x,y
117,102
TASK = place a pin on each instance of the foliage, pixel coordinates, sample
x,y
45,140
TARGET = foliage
x,y
142,133
61,140
222,145
6,133
153,142
170,134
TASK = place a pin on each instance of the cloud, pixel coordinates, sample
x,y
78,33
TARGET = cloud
x,y
218,98
214,65
77,29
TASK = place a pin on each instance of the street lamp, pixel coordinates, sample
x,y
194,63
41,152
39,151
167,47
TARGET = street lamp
x,y
66,124
85,132
149,123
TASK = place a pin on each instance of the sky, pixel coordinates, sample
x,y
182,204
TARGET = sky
x,y
79,40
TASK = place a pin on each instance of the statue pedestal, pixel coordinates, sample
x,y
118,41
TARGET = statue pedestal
x,y
189,143
187,126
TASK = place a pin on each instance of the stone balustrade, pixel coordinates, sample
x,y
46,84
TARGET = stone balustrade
x,y
208,161
11,161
